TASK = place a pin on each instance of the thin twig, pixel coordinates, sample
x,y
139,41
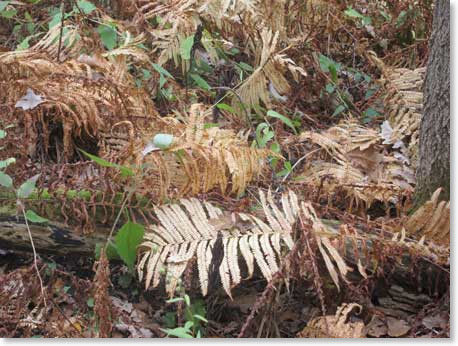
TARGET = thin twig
x,y
62,10
43,293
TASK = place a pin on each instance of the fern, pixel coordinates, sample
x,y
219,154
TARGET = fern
x,y
191,228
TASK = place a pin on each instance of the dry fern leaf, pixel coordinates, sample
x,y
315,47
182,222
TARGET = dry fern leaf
x,y
199,159
403,103
353,157
192,227
336,326
255,88
431,220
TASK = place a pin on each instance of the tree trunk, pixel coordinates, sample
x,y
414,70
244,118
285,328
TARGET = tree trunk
x,y
434,164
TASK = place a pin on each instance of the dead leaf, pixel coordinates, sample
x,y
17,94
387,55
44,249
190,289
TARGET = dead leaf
x,y
29,101
397,328
376,327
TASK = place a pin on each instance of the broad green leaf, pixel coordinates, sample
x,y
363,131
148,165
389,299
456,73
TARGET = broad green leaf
x,y
108,35
188,325
90,302
2,134
339,110
284,119
163,140
186,46
202,83
127,239
26,189
86,6
34,217
125,172
3,5
350,12
325,62
8,13
5,180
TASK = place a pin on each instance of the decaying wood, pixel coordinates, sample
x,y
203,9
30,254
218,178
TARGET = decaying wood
x,y
56,238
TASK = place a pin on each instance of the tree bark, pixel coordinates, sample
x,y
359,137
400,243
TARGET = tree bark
x,y
434,164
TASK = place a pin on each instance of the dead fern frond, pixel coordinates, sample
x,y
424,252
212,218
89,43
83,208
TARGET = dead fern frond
x,y
191,228
431,220
199,160
403,103
354,157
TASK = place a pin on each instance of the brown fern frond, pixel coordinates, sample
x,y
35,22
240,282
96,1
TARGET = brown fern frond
x,y
199,159
431,220
355,158
403,102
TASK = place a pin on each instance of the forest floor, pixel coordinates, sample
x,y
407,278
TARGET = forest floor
x,y
236,169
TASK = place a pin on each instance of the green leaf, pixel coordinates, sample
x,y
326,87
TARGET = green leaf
x,y
34,217
186,46
90,302
175,300
187,300
246,67
8,13
330,88
371,112
7,162
188,325
3,5
199,317
86,6
162,70
163,140
108,35
339,110
202,83
24,43
284,119
2,134
5,180
333,71
350,12
225,107
178,332
26,189
125,172
128,238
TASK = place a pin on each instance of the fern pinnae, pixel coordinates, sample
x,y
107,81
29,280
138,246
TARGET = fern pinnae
x,y
247,254
233,261
202,266
268,252
254,244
